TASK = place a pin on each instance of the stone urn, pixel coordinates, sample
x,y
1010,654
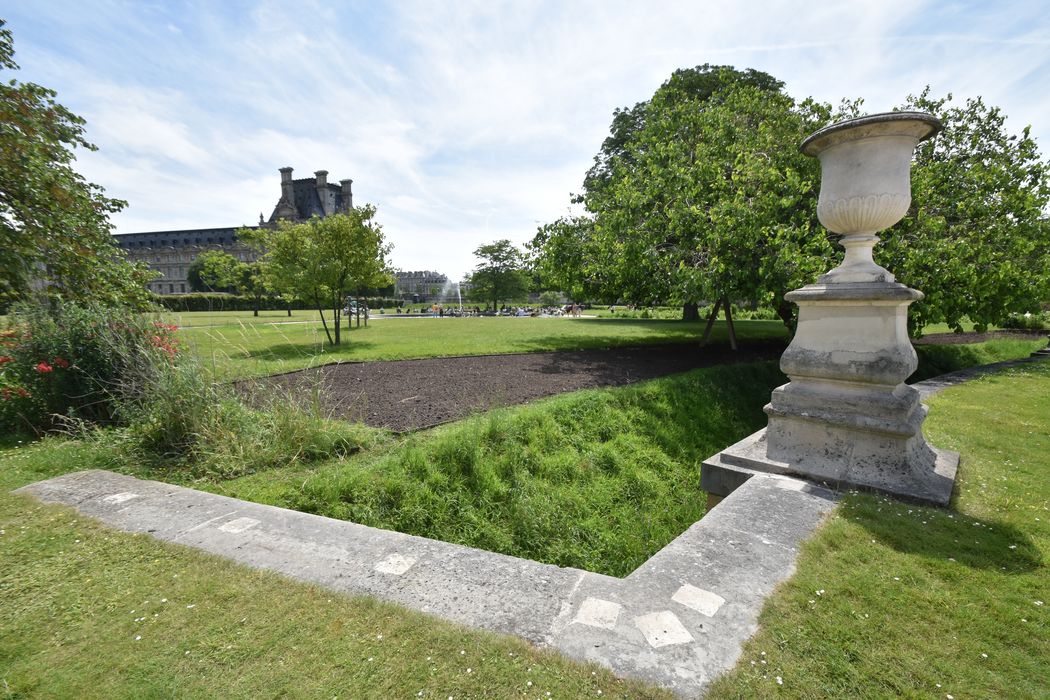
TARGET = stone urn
x,y
865,183
847,419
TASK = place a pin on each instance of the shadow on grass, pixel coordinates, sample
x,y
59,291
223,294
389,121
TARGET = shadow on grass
x,y
672,332
945,536
297,351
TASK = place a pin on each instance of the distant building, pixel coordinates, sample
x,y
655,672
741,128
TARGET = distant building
x,y
172,252
423,284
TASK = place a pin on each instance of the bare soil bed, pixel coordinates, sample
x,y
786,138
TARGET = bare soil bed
x,y
407,395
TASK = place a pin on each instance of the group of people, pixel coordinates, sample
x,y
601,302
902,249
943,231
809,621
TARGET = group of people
x,y
573,310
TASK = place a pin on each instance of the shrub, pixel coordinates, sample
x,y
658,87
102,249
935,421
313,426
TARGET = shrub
x,y
188,423
1028,322
77,362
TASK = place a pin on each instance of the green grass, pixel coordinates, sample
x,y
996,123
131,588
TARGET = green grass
x,y
598,480
191,319
90,612
941,359
259,349
247,349
927,602
522,480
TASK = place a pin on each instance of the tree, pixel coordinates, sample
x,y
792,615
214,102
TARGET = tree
x,y
699,194
250,281
977,238
213,271
54,226
500,275
324,260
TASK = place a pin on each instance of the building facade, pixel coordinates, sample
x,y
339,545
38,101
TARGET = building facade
x,y
422,284
172,252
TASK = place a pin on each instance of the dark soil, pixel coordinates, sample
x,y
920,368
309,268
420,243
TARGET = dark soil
x,y
412,394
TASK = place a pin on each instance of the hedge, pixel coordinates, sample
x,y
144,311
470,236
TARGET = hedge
x,y
204,301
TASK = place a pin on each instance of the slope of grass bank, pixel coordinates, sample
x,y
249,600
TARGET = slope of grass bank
x,y
598,480
893,599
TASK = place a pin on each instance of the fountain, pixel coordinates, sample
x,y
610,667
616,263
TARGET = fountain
x,y
446,294
846,418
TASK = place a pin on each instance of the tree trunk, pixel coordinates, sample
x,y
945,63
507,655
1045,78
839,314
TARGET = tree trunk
x,y
317,300
255,308
786,312
337,312
710,323
690,311
729,323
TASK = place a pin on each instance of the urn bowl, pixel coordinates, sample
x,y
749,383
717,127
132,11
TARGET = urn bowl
x,y
865,183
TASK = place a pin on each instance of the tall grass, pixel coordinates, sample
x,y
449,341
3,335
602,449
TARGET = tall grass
x,y
598,479
188,423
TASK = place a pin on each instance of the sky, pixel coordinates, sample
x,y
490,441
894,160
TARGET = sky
x,y
463,121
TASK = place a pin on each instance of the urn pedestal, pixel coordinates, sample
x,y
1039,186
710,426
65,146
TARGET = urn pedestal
x,y
846,419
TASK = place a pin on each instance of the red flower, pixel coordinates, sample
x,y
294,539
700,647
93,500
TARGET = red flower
x,y
5,359
43,368
60,362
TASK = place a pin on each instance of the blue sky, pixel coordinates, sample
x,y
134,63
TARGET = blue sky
x,y
463,121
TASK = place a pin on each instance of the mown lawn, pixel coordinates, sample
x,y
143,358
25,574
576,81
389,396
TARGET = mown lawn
x,y
895,600
562,480
245,350
88,612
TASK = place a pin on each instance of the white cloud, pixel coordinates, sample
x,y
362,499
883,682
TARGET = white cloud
x,y
470,121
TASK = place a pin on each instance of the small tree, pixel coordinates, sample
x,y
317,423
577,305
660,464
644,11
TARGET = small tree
x,y
500,275
213,271
324,260
251,282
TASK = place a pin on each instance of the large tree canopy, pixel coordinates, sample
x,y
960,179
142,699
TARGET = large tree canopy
x,y
695,197
701,194
977,238
54,226
213,271
324,260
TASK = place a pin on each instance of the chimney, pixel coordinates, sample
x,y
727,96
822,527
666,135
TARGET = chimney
x,y
322,191
286,185
348,195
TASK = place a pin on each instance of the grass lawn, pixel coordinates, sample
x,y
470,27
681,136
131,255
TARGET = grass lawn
x,y
243,348
192,319
899,600
93,613
559,480
258,349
